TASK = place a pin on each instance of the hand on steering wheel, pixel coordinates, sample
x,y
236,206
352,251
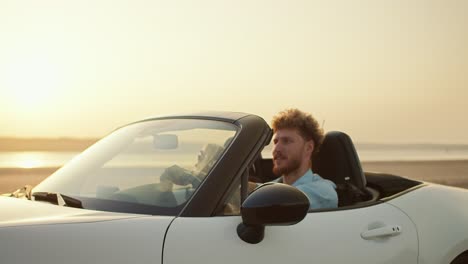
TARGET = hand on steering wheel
x,y
179,176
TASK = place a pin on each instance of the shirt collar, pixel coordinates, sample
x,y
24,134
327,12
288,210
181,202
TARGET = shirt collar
x,y
307,177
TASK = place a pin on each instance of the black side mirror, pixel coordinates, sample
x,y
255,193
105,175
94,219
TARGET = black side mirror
x,y
271,204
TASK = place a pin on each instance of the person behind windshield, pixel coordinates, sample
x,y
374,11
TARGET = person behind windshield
x,y
297,137
175,174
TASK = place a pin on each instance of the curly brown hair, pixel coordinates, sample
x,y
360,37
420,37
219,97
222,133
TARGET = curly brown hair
x,y
305,123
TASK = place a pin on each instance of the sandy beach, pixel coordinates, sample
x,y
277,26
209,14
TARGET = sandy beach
x,y
12,179
453,173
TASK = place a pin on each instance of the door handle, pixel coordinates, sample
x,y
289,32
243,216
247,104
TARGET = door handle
x,y
381,232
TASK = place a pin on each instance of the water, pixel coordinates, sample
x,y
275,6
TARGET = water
x,y
366,152
35,159
50,159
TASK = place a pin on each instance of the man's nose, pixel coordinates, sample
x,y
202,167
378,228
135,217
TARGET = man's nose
x,y
276,148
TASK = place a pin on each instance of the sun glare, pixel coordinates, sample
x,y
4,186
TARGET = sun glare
x,y
29,160
29,164
32,82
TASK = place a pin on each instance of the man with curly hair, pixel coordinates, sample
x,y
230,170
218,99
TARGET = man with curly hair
x,y
297,138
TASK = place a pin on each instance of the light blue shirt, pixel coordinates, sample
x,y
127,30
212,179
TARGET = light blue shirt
x,y
321,192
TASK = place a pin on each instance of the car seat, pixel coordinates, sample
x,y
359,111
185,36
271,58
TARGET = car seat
x,y
338,161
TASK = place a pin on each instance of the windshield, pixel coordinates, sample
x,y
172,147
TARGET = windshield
x,y
151,167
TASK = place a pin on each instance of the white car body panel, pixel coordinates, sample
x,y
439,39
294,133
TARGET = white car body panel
x,y
322,237
439,212
69,235
17,212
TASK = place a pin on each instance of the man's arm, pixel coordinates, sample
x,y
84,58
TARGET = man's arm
x,y
252,186
179,176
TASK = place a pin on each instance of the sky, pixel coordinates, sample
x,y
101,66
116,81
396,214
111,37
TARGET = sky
x,y
381,71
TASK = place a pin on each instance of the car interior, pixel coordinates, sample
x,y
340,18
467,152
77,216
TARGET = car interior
x,y
338,161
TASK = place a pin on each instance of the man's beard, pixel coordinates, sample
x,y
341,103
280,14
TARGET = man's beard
x,y
292,165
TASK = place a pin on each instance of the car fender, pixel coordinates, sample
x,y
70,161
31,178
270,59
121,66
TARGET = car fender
x,y
441,218
130,240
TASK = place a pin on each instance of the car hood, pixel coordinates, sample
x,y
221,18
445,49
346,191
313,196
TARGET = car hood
x,y
15,212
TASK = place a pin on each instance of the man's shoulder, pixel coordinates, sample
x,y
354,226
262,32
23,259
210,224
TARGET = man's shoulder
x,y
314,179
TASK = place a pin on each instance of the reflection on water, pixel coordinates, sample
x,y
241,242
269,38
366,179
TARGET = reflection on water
x,y
30,162
34,159
38,159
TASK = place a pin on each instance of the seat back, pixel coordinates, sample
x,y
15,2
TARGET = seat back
x,y
338,161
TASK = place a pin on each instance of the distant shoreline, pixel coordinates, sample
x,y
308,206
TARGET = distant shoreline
x,y
9,170
72,144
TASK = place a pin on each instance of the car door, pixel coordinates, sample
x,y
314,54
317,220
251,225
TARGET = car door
x,y
375,234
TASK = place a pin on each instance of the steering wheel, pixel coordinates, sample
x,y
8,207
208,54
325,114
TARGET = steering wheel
x,y
179,176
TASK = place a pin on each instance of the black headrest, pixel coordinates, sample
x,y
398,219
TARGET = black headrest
x,y
337,160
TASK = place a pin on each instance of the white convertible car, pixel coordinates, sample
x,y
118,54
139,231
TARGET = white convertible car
x,y
173,190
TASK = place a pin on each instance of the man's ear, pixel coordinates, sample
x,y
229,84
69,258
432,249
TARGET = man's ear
x,y
310,146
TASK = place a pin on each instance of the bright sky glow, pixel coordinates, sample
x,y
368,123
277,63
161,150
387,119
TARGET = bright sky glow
x,y
33,83
383,71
